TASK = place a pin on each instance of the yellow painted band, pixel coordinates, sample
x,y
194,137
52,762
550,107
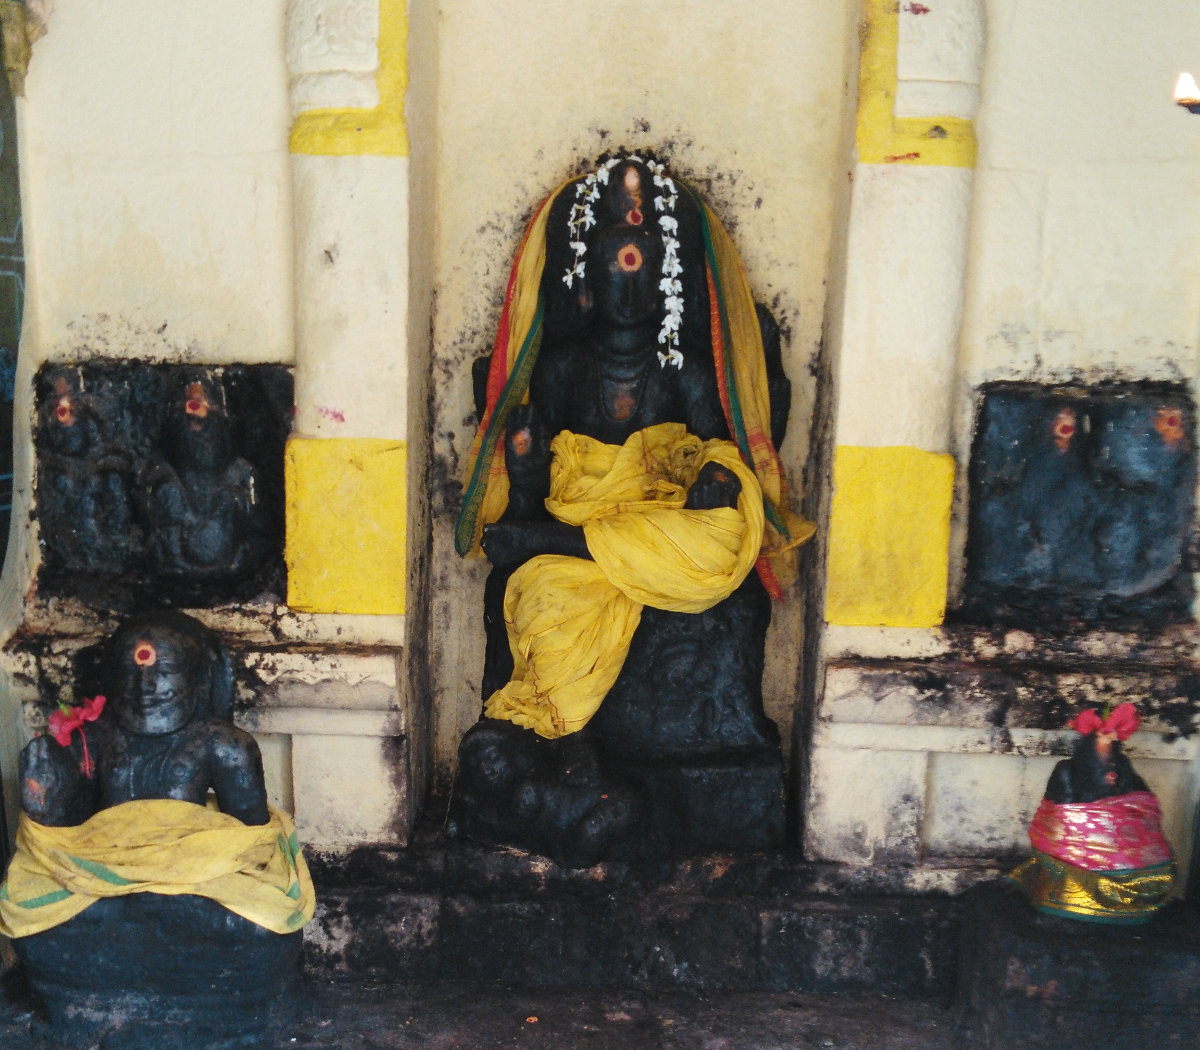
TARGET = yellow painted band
x,y
889,537
881,136
346,524
381,131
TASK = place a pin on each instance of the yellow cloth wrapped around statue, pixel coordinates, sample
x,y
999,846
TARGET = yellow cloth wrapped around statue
x,y
157,846
570,621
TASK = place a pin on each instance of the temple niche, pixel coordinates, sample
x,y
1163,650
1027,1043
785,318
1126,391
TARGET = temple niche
x,y
161,483
626,488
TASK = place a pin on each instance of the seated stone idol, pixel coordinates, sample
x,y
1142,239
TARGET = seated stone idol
x,y
1099,851
146,812
625,485
203,515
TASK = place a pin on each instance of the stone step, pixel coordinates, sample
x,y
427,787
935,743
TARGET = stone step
x,y
451,912
1029,981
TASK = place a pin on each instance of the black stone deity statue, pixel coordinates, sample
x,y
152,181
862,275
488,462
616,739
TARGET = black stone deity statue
x,y
680,756
1099,853
167,732
142,917
204,517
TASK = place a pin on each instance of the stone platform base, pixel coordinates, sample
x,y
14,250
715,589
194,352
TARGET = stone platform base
x,y
718,806
1038,982
454,912
148,972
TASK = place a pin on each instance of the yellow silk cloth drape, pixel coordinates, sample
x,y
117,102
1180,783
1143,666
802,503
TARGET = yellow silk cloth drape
x,y
157,846
570,621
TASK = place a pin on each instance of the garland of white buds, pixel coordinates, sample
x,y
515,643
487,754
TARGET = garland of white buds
x,y
582,219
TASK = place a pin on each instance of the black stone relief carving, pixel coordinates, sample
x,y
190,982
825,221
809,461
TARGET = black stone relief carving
x,y
1081,505
161,484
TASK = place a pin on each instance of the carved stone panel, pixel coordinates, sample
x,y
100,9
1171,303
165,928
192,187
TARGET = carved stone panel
x,y
1082,502
161,483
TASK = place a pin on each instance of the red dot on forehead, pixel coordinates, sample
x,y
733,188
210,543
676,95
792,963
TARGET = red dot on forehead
x,y
629,258
144,654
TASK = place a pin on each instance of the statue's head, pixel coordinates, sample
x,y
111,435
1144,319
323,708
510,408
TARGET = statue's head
x,y
166,670
196,432
624,248
63,413
625,277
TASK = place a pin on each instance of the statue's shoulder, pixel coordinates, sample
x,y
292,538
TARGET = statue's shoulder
x,y
224,738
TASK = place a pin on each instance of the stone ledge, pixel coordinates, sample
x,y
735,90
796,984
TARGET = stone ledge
x,y
1006,695
1039,982
452,912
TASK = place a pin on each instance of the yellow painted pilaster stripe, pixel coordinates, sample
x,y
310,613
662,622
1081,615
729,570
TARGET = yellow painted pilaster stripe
x,y
889,537
346,524
881,136
381,131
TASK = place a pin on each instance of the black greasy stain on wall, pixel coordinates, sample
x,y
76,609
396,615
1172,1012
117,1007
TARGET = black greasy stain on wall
x,y
161,484
1081,505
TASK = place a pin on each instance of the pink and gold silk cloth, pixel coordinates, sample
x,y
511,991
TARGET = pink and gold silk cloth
x,y
570,620
1105,861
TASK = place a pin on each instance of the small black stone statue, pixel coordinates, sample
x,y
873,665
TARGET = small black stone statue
x,y
636,380
1099,851
168,733
203,514
153,892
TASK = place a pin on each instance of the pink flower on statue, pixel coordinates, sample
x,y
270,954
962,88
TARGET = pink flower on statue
x,y
66,720
1123,722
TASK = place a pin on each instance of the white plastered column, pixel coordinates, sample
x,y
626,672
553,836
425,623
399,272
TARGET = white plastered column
x,y
893,475
336,721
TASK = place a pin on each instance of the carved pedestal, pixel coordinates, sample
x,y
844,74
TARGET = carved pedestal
x,y
147,971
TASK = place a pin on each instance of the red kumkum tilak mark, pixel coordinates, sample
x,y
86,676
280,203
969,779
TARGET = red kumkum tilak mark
x,y
144,654
629,258
1064,428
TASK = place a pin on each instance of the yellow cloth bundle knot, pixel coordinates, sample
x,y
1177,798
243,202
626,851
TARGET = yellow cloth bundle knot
x,y
157,846
570,621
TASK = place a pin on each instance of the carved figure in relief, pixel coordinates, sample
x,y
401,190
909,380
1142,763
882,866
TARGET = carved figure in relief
x,y
624,544
203,514
1099,850
83,495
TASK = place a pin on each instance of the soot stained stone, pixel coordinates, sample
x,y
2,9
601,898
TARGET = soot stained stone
x,y
161,484
150,969
1081,505
681,757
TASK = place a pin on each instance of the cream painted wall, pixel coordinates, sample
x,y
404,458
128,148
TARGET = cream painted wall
x,y
155,171
157,197
1086,225
750,103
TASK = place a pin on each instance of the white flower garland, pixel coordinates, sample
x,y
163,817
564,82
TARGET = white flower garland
x,y
582,219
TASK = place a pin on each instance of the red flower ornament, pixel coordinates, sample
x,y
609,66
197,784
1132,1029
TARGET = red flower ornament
x,y
1123,721
66,720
